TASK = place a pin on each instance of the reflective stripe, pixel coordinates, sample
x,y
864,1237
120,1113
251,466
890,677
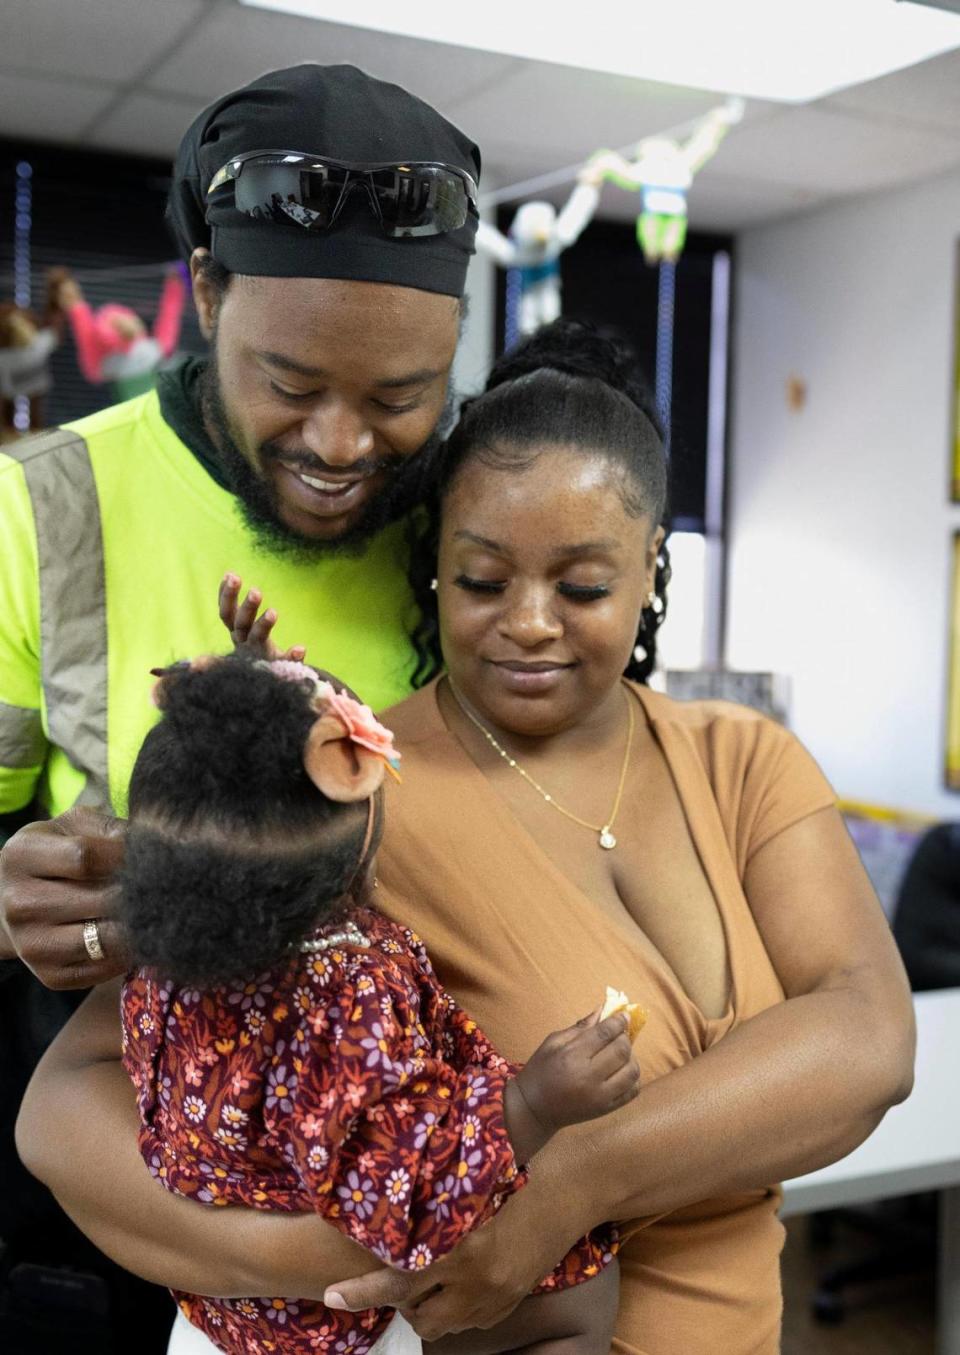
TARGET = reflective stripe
x,y
73,619
22,740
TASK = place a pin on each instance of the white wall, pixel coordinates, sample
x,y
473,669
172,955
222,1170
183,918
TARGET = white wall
x,y
840,528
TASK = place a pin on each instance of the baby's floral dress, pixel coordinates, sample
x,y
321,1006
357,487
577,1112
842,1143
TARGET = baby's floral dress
x,y
347,1083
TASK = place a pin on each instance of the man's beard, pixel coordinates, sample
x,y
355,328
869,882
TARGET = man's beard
x,y
408,481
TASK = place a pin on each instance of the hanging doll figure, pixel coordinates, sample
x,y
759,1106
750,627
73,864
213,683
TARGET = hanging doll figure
x,y
537,238
662,170
27,342
113,344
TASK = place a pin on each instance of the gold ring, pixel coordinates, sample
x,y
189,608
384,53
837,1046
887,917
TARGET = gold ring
x,y
91,940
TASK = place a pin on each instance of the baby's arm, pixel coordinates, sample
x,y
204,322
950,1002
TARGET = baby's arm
x,y
575,1075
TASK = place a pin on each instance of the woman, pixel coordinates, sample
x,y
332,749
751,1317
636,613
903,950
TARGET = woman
x,y
559,829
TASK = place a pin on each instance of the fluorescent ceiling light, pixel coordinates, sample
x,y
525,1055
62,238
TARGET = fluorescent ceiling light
x,y
762,49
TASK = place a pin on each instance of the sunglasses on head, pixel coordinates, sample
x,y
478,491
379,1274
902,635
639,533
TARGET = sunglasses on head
x,y
416,198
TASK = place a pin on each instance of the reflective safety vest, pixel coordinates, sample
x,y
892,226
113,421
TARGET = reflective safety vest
x,y
113,542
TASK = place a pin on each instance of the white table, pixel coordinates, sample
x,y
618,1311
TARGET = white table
x,y
915,1148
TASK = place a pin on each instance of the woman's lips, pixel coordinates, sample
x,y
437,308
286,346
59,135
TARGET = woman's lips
x,y
530,678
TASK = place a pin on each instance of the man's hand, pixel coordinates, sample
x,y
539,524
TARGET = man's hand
x,y
54,877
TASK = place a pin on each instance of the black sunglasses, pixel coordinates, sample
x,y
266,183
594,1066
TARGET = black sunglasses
x,y
417,198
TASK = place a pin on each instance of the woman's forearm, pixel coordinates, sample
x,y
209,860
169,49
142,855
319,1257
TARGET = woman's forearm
x,y
78,1133
789,1091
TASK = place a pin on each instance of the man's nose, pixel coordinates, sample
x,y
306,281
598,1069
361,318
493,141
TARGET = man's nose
x,y
337,434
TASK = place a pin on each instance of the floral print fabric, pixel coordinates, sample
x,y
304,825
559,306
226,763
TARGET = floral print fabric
x,y
349,1084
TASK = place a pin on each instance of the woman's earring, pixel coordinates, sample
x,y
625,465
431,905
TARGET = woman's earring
x,y
433,585
639,653
651,599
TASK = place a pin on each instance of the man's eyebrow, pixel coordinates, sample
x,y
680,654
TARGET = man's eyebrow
x,y
288,365
420,378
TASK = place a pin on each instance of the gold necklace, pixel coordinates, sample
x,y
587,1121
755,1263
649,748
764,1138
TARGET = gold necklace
x,y
605,837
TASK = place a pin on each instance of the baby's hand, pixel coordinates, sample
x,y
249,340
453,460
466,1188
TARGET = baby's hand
x,y
250,632
581,1073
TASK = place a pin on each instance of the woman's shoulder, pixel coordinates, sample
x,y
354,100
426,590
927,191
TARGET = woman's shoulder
x,y
711,718
760,775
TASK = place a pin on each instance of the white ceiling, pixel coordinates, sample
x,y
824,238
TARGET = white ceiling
x,y
131,74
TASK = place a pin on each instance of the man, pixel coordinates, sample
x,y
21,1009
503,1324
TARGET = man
x,y
328,219
332,301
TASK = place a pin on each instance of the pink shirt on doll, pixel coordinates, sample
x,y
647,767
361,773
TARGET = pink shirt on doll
x,y
108,346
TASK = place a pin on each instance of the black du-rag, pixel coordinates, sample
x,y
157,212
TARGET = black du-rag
x,y
343,113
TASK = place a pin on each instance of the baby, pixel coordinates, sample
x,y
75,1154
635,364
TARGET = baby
x,y
292,1049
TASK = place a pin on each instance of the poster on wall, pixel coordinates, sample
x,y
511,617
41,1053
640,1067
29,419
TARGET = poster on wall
x,y
952,772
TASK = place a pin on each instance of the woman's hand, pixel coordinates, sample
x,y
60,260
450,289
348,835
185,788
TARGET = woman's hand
x,y
249,632
481,1281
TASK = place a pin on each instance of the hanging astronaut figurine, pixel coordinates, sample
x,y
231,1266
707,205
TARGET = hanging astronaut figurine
x,y
538,236
662,170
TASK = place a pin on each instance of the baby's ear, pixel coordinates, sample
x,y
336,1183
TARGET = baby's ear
x,y
338,767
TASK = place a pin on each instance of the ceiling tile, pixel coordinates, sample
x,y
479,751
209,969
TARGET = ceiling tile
x,y
237,44
148,124
44,109
832,152
927,95
727,204
563,115
95,39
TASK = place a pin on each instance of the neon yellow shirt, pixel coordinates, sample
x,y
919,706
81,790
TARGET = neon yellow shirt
x,y
113,542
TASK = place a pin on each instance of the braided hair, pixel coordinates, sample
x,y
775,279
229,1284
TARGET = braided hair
x,y
567,385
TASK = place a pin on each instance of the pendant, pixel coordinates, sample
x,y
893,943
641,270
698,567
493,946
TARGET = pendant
x,y
607,840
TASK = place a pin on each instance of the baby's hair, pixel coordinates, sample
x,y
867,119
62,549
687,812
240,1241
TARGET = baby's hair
x,y
233,855
565,386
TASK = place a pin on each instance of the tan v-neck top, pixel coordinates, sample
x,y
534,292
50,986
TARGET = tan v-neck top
x,y
527,952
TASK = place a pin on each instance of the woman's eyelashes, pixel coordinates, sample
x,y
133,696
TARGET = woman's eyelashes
x,y
478,585
577,592
582,592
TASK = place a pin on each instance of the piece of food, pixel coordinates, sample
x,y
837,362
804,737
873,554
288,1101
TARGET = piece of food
x,y
615,1001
